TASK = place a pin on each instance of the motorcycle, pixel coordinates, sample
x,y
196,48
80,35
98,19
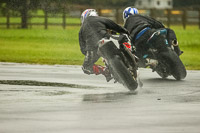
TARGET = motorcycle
x,y
162,58
119,60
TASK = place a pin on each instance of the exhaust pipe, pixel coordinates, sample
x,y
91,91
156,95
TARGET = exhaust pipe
x,y
175,42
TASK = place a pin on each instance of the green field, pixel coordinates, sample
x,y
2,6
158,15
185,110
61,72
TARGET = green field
x,y
189,42
58,46
53,46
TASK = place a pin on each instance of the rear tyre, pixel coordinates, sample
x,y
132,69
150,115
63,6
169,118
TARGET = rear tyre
x,y
176,67
122,74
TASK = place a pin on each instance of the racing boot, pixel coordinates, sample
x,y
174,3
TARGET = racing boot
x,y
98,69
151,63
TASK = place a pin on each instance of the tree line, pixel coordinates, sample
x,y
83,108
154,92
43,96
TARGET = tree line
x,y
24,6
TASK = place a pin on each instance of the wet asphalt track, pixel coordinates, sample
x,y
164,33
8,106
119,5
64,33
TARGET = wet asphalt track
x,y
61,99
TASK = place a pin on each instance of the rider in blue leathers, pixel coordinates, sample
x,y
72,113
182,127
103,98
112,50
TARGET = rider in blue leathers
x,y
141,29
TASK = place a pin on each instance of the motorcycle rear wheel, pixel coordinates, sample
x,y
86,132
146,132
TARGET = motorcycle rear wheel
x,y
122,74
176,67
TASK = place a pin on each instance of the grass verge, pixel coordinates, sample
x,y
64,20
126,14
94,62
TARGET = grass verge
x,y
58,46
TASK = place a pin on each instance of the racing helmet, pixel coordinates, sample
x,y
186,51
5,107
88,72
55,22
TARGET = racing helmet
x,y
129,11
88,12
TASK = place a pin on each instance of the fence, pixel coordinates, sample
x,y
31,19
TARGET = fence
x,y
169,17
176,16
60,19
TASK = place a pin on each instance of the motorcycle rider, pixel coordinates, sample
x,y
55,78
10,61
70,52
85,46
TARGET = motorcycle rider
x,y
142,28
93,29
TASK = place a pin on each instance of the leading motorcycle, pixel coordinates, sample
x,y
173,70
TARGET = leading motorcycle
x,y
162,58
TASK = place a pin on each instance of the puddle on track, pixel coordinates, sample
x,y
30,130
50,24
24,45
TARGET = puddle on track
x,y
39,83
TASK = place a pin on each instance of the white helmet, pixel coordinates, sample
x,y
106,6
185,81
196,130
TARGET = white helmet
x,y
88,12
128,12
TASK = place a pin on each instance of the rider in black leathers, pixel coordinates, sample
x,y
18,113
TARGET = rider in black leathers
x,y
142,27
93,29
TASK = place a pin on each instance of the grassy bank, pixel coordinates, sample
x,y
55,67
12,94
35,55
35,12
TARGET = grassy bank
x,y
53,46
58,46
189,42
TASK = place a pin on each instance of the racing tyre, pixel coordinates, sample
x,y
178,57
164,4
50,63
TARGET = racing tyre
x,y
176,67
122,74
